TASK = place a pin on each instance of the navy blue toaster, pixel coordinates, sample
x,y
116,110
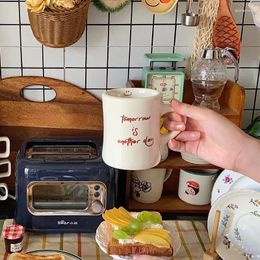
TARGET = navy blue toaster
x,y
63,185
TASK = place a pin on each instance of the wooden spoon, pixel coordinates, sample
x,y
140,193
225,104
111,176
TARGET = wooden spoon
x,y
225,32
211,253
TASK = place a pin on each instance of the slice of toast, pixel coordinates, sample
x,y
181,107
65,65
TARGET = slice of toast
x,y
25,256
115,248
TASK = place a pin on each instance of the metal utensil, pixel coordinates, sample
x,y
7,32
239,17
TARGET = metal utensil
x,y
189,18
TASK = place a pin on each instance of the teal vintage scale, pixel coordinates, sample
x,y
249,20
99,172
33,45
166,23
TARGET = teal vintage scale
x,y
167,80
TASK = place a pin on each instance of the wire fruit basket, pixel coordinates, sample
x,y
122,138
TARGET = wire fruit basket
x,y
59,28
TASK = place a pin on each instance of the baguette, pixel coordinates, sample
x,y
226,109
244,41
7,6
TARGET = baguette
x,y
25,256
133,247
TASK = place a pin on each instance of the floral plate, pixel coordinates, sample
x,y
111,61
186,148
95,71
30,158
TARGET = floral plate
x,y
224,183
239,224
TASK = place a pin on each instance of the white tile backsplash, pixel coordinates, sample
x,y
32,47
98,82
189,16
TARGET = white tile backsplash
x,y
10,73
258,100
97,36
247,115
137,56
9,35
96,16
10,56
163,35
122,17
141,35
9,13
24,13
119,35
249,56
248,78
76,77
113,47
53,57
97,56
249,98
28,39
55,73
75,57
117,78
168,18
140,14
185,36
32,72
32,56
251,36
96,78
118,56
237,9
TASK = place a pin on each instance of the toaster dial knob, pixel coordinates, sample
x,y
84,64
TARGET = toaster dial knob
x,y
97,206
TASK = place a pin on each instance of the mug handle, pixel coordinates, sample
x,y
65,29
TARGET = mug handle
x,y
167,175
7,146
4,187
8,172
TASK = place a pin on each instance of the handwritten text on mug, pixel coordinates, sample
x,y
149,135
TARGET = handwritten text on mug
x,y
147,141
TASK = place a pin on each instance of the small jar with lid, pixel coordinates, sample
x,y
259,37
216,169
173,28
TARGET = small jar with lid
x,y
13,236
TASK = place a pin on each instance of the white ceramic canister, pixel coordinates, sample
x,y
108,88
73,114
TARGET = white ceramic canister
x,y
195,186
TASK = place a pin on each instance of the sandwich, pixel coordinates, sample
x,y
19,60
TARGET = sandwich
x,y
25,256
140,233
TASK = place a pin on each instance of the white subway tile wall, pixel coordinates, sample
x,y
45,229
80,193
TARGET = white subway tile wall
x,y
111,50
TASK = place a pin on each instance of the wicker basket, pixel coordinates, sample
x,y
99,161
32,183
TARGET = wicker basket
x,y
59,28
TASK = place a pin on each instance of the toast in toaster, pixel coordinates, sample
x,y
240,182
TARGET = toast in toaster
x,y
25,256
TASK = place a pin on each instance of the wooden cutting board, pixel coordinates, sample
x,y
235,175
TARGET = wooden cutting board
x,y
73,112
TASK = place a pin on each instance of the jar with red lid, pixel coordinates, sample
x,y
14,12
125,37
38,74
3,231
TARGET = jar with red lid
x,y
13,236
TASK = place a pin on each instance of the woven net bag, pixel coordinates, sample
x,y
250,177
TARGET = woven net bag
x,y
58,27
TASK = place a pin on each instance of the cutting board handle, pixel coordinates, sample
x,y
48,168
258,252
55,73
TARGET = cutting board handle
x,y
11,89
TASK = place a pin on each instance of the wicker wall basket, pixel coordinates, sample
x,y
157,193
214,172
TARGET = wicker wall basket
x,y
59,28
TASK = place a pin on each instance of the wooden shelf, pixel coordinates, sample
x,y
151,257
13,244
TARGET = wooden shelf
x,y
175,161
232,106
169,203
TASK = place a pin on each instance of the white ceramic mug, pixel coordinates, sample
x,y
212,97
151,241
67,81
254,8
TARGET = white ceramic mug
x,y
147,185
195,186
3,191
132,139
6,153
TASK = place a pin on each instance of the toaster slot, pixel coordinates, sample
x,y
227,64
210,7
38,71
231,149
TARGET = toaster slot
x,y
86,151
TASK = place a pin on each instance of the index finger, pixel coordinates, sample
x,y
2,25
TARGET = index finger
x,y
194,112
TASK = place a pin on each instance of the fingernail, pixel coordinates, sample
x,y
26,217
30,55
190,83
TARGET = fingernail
x,y
179,126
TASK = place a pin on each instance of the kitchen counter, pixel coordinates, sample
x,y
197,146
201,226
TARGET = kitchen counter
x,y
192,238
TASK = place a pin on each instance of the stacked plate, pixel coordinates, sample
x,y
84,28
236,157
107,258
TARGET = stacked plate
x,y
229,180
238,198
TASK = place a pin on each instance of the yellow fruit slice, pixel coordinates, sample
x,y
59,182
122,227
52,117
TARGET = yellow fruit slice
x,y
151,239
114,214
159,232
125,213
113,221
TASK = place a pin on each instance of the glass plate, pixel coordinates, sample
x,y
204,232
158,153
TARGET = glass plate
x,y
67,255
101,239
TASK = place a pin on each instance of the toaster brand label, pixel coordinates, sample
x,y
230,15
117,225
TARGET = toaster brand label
x,y
64,222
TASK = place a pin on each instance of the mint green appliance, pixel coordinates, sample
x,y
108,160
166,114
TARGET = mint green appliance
x,y
167,80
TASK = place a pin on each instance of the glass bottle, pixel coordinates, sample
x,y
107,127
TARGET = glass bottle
x,y
209,76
